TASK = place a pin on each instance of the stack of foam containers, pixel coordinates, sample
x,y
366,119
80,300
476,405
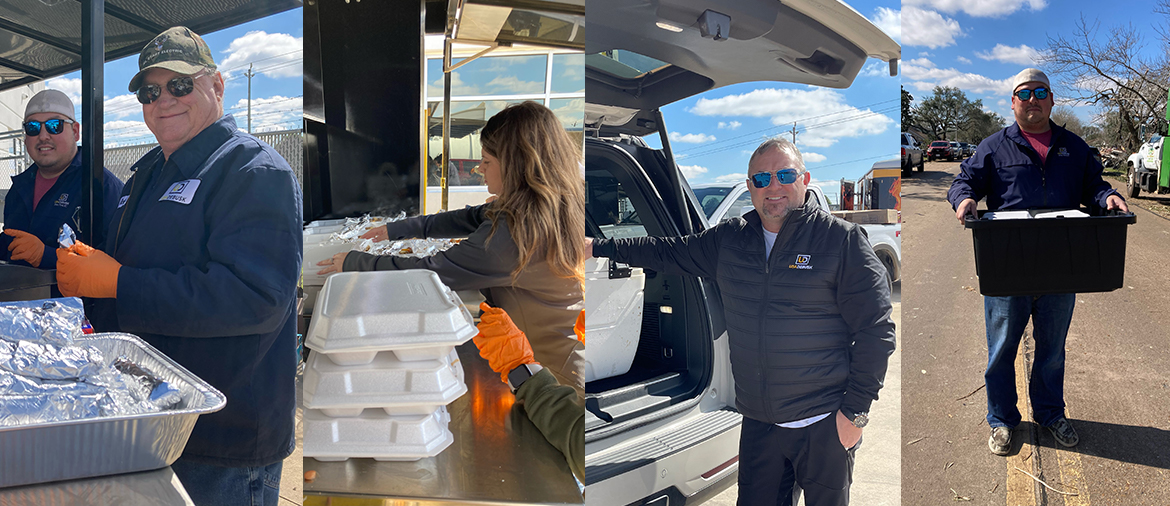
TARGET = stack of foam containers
x,y
383,366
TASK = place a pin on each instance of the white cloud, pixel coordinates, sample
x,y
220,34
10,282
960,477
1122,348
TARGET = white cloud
x,y
810,157
274,55
924,54
731,178
122,106
570,113
1023,55
729,125
834,118
875,69
513,85
458,86
889,21
928,28
122,132
963,60
920,62
70,87
268,114
978,8
691,138
926,78
692,171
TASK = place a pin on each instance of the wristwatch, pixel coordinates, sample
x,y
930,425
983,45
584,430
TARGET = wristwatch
x,y
859,420
520,374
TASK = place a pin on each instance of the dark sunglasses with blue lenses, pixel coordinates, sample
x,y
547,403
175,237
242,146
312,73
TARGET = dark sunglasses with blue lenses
x,y
784,176
54,126
1024,95
179,87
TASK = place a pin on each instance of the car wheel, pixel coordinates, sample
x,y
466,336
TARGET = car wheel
x,y
921,164
1131,186
888,261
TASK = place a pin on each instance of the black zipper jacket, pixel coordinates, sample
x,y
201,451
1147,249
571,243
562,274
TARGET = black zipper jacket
x,y
810,328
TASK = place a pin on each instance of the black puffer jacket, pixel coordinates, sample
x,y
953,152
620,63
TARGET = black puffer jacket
x,y
810,328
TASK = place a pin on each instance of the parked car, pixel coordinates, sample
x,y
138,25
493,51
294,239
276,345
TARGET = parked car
x,y
665,430
723,201
957,150
912,155
939,150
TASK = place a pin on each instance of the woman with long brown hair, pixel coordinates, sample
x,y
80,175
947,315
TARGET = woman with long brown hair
x,y
526,249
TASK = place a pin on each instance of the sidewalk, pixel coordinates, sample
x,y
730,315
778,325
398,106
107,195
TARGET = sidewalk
x,y
292,478
877,474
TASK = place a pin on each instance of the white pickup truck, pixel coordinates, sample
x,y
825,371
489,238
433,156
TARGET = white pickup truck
x,y
1145,169
725,201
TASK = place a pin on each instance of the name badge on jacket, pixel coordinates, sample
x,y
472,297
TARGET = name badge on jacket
x,y
181,192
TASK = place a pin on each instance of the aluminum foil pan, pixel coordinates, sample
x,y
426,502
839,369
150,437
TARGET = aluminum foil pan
x,y
53,451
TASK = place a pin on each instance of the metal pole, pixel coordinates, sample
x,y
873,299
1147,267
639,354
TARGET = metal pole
x,y
446,121
93,36
249,73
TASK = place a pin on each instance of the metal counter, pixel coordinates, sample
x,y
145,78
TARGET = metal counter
x,y
149,488
498,457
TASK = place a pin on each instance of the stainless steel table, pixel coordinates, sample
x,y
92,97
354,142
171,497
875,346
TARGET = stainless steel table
x,y
498,457
149,488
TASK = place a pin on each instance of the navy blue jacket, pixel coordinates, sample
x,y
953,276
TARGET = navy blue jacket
x,y
1007,171
210,246
60,205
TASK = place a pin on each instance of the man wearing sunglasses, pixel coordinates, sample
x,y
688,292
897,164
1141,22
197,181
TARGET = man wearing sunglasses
x,y
48,194
202,260
808,308
1032,164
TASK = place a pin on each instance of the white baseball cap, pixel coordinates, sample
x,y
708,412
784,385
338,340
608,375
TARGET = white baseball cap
x,y
1028,76
50,101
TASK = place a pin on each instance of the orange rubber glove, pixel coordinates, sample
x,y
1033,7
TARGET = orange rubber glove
x,y
25,246
579,327
503,345
86,272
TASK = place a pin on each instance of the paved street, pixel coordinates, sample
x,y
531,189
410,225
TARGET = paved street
x,y
877,476
1117,387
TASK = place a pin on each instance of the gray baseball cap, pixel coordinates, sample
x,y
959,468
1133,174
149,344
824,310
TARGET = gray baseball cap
x,y
50,101
1030,75
178,49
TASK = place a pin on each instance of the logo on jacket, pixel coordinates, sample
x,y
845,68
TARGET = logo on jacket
x,y
62,201
1061,152
181,192
122,201
802,262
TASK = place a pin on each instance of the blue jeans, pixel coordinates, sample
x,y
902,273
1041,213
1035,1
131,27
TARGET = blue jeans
x,y
1005,318
210,485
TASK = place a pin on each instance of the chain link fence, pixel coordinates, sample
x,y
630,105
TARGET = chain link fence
x,y
13,159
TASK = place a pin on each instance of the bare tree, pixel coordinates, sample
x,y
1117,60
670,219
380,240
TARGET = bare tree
x,y
1108,71
1064,116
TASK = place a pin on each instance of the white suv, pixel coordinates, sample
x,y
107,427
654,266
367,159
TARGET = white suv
x,y
661,426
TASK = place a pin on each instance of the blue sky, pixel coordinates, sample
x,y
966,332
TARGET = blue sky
x,y
978,45
273,44
841,132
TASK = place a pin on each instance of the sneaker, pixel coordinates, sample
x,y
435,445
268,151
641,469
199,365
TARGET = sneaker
x,y
1000,441
1064,433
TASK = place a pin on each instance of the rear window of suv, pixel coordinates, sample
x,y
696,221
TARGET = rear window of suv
x,y
941,144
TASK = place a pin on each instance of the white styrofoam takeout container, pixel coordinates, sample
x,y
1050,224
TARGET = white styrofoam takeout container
x,y
376,435
412,313
397,387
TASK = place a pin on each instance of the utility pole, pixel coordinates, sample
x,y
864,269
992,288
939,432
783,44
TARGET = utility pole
x,y
249,73
794,132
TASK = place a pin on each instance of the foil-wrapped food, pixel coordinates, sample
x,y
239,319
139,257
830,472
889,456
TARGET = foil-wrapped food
x,y
415,248
45,377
